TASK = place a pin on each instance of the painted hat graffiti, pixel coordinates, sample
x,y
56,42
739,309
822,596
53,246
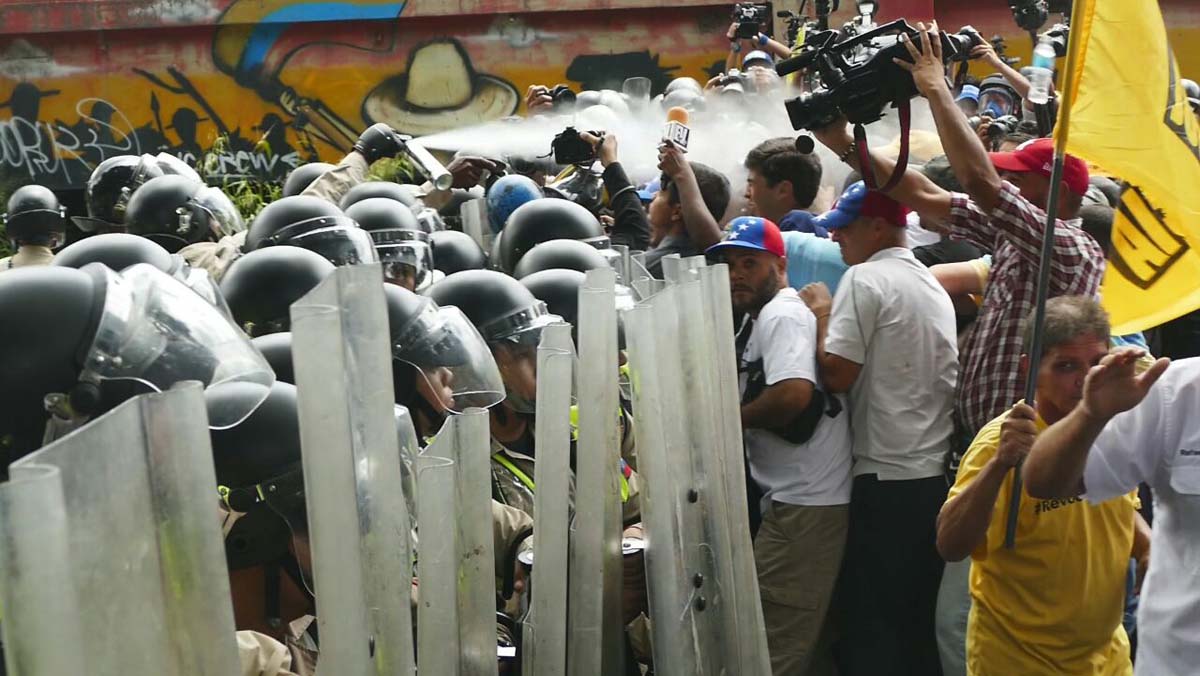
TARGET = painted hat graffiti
x,y
440,90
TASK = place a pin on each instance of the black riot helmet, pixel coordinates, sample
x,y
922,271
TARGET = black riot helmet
x,y
565,254
109,188
400,244
303,176
382,213
261,286
73,332
455,251
175,211
49,319
34,216
442,346
543,220
117,250
314,224
405,194
258,467
509,318
559,290
276,348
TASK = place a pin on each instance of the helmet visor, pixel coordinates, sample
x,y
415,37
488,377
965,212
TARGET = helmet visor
x,y
453,359
339,240
224,219
198,280
155,330
169,164
404,247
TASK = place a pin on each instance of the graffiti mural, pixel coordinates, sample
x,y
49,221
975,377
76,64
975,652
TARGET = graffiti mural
x,y
253,88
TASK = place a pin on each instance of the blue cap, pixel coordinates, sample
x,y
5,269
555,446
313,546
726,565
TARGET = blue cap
x,y
651,189
751,232
758,55
969,92
857,201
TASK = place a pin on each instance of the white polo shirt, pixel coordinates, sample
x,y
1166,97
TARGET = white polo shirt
x,y
892,316
816,472
1158,442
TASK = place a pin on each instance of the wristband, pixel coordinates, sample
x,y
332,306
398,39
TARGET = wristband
x,y
734,46
762,40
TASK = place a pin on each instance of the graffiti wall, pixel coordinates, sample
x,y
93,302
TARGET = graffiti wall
x,y
252,88
260,86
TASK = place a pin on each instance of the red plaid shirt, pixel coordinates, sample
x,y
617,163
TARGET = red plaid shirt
x,y
990,376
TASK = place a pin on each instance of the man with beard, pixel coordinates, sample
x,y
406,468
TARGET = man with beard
x,y
797,441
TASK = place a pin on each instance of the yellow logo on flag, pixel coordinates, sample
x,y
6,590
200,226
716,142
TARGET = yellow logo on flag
x,y
1129,116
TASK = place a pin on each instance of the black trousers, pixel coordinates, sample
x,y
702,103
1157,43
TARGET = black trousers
x,y
888,589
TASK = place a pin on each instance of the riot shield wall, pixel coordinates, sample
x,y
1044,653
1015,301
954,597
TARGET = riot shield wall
x,y
699,561
457,609
145,560
357,514
544,633
597,641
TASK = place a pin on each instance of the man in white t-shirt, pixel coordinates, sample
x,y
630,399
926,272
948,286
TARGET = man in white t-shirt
x,y
889,339
797,441
1130,429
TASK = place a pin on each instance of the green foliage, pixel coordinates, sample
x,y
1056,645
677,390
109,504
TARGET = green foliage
x,y
250,195
395,170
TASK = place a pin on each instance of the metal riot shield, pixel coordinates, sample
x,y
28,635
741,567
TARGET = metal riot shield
x,y
456,613
595,611
41,632
362,565
544,633
639,279
474,214
145,558
699,560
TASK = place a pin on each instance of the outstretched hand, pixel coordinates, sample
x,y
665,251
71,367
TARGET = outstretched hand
x,y
1113,386
926,66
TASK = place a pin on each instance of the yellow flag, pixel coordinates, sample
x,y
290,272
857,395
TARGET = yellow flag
x,y
1129,117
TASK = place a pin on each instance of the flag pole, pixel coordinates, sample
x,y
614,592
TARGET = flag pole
x,y
1043,286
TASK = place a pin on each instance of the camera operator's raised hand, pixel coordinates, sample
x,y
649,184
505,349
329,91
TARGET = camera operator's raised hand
x,y
605,145
538,99
927,69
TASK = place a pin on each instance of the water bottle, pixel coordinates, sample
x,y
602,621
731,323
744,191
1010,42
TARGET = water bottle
x,y
1041,73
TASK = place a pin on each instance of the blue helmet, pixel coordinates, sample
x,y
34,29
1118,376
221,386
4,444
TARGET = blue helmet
x,y
506,194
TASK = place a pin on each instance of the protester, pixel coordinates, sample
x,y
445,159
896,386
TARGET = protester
x,y
888,305
1128,429
781,183
797,443
1001,213
1057,602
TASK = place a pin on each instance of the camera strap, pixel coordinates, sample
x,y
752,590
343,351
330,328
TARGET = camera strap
x,y
864,153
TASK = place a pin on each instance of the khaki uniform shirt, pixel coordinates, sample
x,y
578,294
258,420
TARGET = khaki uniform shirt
x,y
214,257
261,655
27,256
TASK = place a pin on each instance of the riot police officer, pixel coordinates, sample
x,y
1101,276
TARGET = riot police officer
x,y
543,220
175,211
36,224
400,244
261,286
314,224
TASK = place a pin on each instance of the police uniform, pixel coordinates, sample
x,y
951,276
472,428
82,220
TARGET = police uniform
x,y
215,257
28,255
261,655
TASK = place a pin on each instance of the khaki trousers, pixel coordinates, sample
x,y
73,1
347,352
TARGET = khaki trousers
x,y
798,552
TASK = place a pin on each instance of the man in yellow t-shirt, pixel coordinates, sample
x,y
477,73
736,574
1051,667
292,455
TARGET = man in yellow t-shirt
x,y
1052,605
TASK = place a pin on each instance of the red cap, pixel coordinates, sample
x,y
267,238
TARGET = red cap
x,y
1037,156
